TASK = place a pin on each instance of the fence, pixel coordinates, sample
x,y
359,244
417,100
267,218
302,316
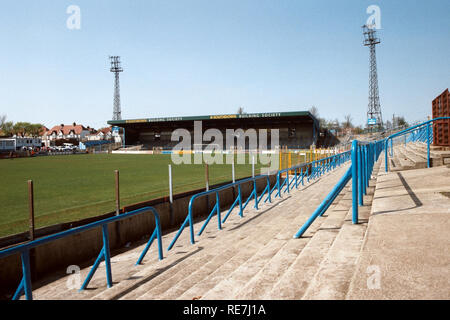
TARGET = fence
x,y
289,158
190,220
421,132
363,156
24,249
283,184
311,171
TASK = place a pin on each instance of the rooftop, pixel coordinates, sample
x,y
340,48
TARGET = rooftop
x,y
216,117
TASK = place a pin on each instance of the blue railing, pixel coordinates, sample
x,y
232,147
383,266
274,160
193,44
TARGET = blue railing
x,y
284,183
363,156
421,132
24,249
309,171
216,210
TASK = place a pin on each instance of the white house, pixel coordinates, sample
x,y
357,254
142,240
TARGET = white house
x,y
105,134
66,132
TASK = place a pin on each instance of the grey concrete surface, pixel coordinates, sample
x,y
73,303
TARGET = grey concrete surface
x,y
406,250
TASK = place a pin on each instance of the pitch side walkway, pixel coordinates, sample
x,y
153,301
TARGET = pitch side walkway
x,y
406,249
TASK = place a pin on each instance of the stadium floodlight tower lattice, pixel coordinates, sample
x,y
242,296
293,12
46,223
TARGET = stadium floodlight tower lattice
x,y
116,69
374,118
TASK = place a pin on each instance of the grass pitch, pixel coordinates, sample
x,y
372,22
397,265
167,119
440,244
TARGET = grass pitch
x,y
69,188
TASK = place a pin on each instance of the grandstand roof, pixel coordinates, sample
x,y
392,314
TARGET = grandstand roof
x,y
216,117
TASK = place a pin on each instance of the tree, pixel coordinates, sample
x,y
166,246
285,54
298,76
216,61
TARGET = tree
x,y
10,128
347,122
323,123
2,124
7,128
388,125
240,110
34,129
314,111
19,128
358,130
401,122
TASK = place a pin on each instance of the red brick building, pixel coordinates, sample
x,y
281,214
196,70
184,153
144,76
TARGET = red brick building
x,y
441,128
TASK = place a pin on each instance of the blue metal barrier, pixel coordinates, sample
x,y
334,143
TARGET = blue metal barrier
x,y
24,249
318,168
309,171
421,132
282,185
363,156
216,210
326,203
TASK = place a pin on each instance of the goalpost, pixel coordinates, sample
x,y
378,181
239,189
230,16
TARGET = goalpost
x,y
202,146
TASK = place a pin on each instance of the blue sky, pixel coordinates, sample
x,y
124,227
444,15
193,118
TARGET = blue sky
x,y
196,57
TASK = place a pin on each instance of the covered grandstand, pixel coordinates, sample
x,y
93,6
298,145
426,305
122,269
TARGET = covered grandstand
x,y
297,130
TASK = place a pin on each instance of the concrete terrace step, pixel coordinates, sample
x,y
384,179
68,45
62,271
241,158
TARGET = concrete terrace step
x,y
334,273
395,163
411,148
337,269
433,148
196,270
411,157
227,249
421,154
262,283
414,156
210,247
244,257
295,280
279,248
122,269
267,283
418,160
438,156
123,264
170,286
404,161
174,285
323,268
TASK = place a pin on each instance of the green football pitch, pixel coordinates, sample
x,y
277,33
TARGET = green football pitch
x,y
73,187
